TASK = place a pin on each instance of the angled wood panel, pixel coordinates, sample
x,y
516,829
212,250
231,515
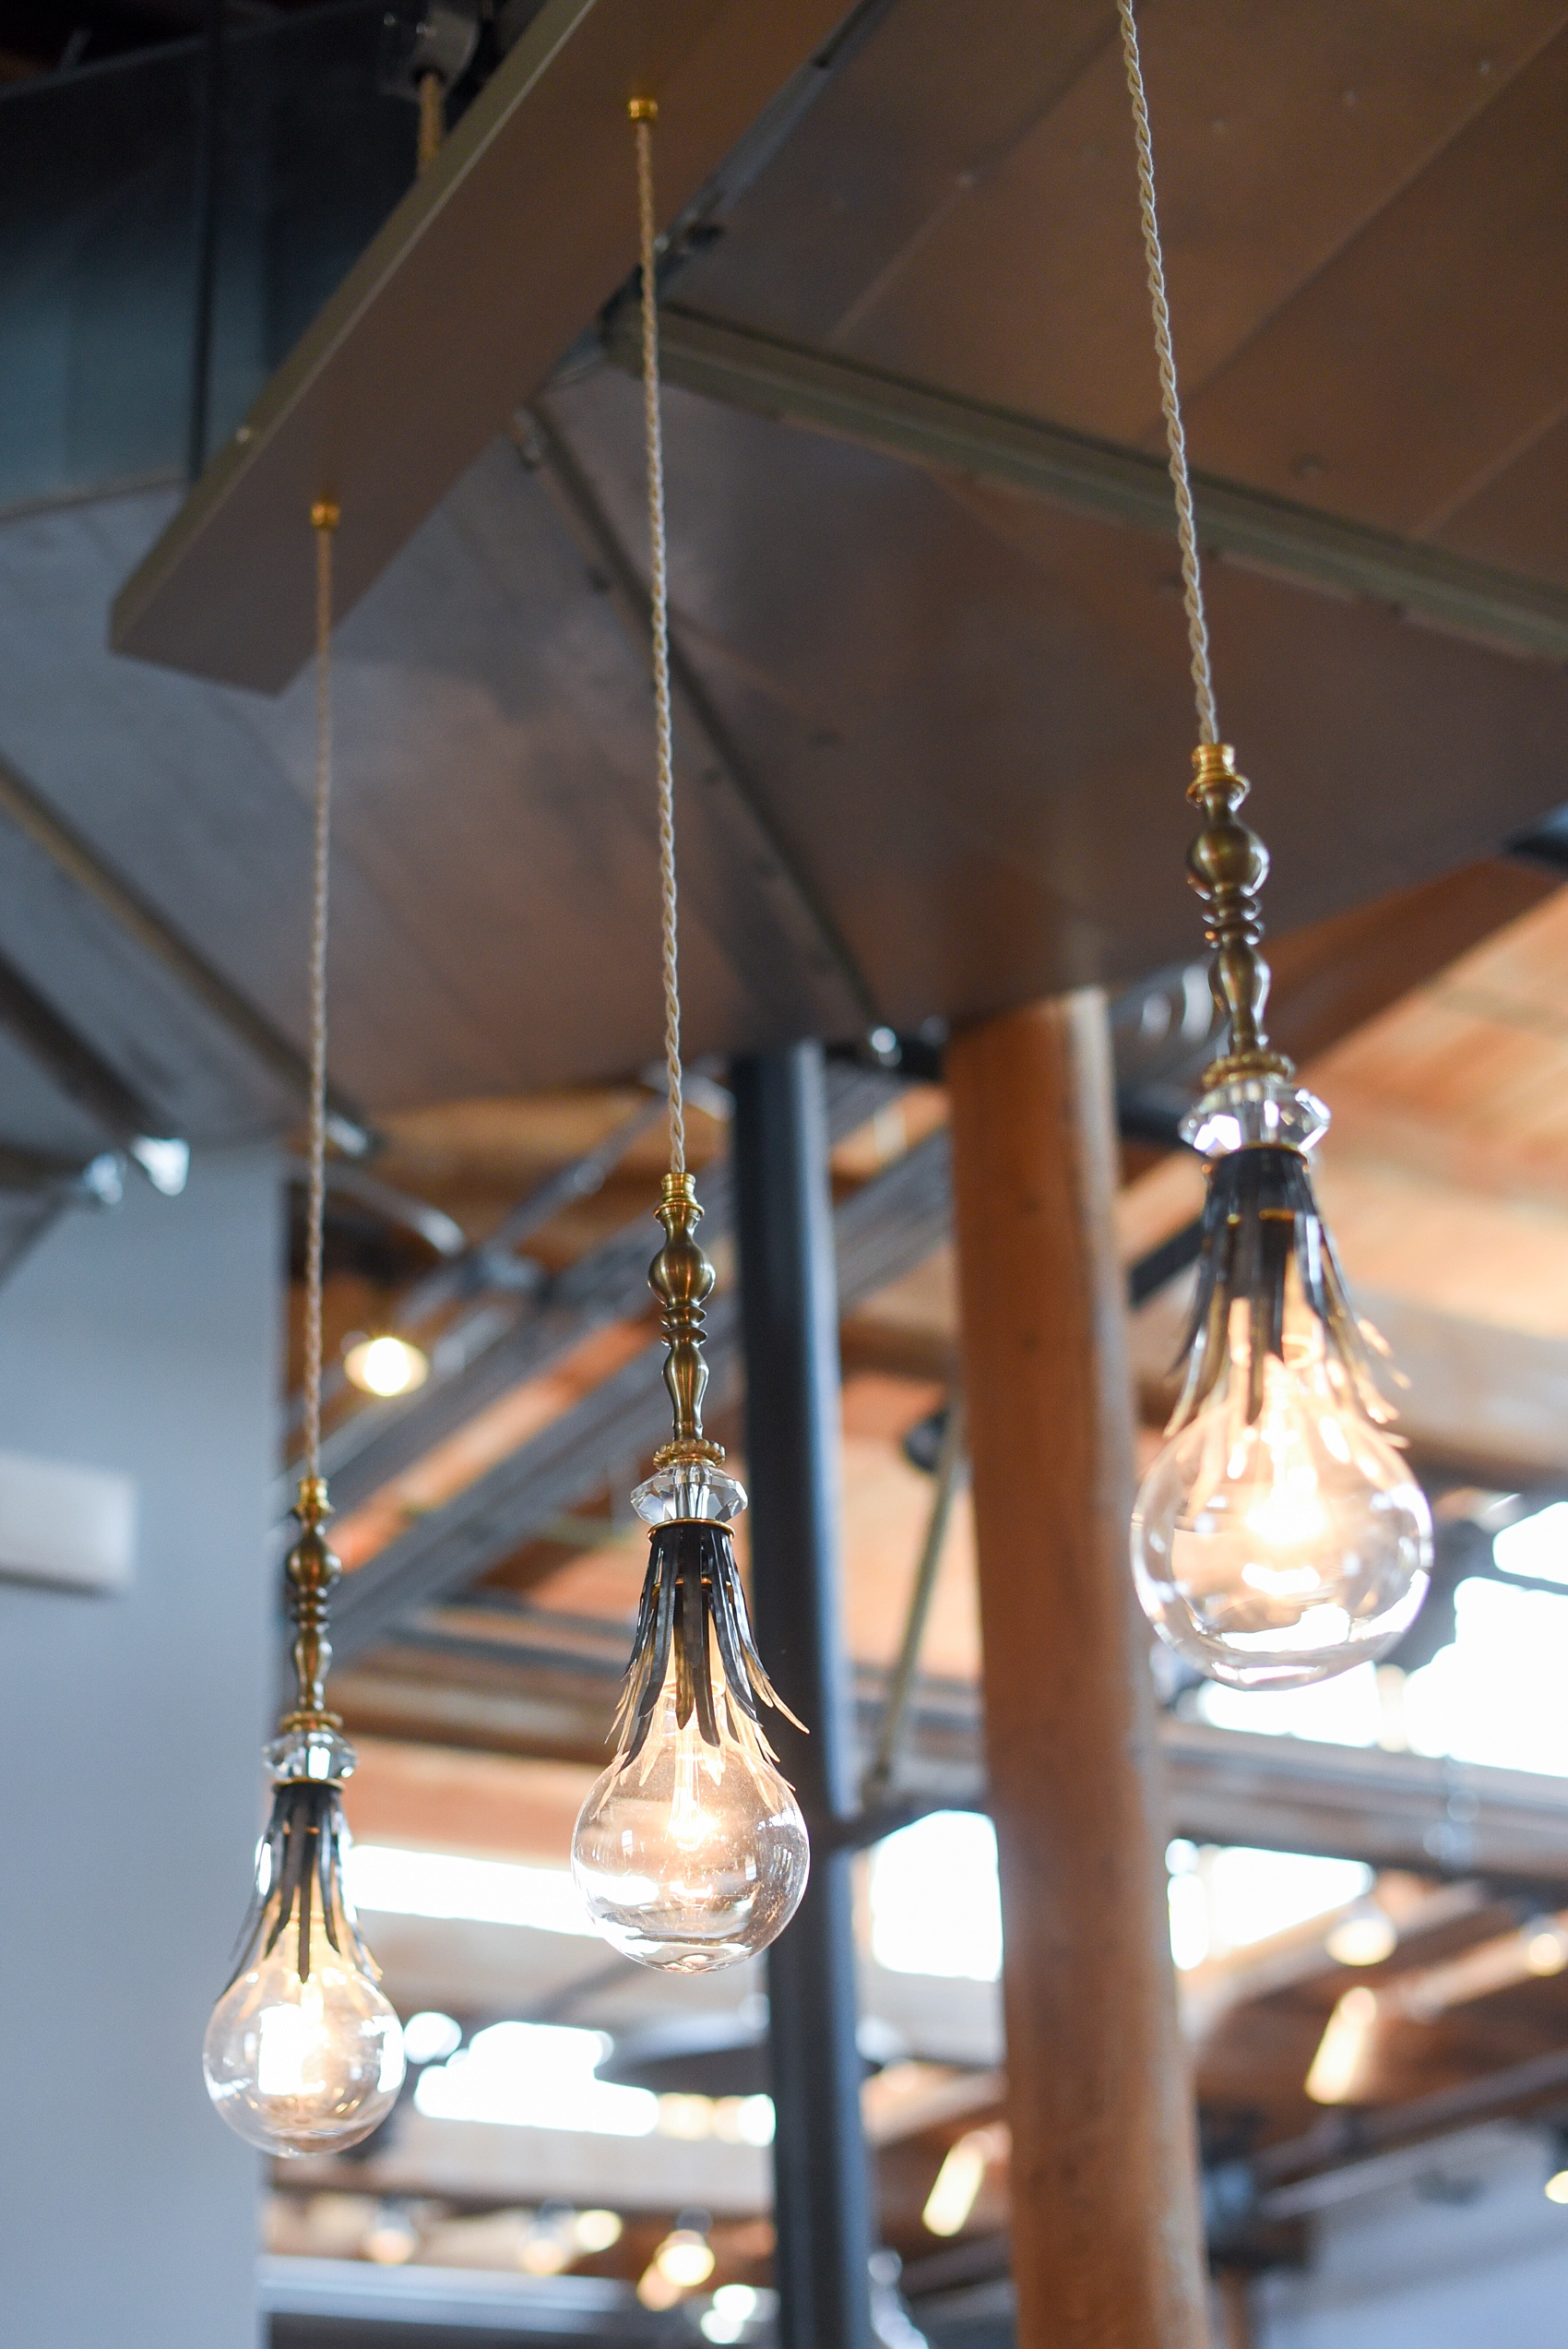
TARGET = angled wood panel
x,y
480,280
1432,348
1017,272
1519,517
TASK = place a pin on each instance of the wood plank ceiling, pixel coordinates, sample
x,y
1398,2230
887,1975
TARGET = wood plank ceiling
x,y
955,709
1364,213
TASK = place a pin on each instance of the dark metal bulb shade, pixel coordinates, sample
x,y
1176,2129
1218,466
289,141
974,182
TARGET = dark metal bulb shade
x,y
300,1875
302,2053
1260,1217
692,1605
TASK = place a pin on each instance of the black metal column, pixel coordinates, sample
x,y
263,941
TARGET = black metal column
x,y
788,1301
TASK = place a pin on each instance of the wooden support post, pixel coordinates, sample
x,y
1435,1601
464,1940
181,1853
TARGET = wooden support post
x,y
1105,2241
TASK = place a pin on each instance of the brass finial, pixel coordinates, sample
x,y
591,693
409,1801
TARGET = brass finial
x,y
682,1278
325,514
1228,866
312,1569
642,110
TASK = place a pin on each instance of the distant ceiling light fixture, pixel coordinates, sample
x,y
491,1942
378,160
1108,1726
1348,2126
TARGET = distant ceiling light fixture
x,y
1546,1947
684,2257
550,2245
1556,2188
1340,2066
430,2037
690,1850
733,2309
1278,1537
597,2231
535,2075
385,1365
166,1163
1365,1938
391,2239
303,2054
950,2204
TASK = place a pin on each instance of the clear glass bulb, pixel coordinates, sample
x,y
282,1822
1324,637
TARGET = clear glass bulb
x,y
692,1856
303,2054
1280,1550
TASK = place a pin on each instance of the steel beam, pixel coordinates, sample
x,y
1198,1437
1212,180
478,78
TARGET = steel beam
x,y
608,1285
457,1678
790,1313
75,1065
891,1225
25,808
1348,1801
796,385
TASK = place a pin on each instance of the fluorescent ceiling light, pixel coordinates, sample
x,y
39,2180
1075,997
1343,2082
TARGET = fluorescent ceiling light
x,y
535,2075
441,1884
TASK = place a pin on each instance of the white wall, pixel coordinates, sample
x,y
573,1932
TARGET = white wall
x,y
1467,2253
144,1341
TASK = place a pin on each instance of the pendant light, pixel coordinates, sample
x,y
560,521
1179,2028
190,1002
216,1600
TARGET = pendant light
x,y
690,1850
1279,1536
303,2054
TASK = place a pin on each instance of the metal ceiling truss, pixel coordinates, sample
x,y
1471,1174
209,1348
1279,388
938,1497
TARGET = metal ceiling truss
x,y
793,384
86,1079
521,1331
29,813
889,1225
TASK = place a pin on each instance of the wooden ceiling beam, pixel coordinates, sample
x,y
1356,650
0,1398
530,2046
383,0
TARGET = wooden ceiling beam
x,y
1331,977
1226,1787
493,263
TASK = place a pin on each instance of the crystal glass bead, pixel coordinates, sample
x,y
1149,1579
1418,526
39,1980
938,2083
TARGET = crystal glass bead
x,y
688,1490
317,1753
1252,1109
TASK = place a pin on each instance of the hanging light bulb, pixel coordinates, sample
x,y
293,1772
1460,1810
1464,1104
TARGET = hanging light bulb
x,y
690,1852
1279,1536
303,2054
386,1365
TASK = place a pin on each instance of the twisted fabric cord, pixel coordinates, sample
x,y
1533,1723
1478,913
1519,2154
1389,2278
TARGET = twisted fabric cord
x,y
1169,400
658,600
324,521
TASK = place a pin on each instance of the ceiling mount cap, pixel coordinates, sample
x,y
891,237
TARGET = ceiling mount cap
x,y
643,109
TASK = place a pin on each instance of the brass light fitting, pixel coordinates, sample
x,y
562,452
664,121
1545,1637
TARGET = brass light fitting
x,y
1278,1537
690,1852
